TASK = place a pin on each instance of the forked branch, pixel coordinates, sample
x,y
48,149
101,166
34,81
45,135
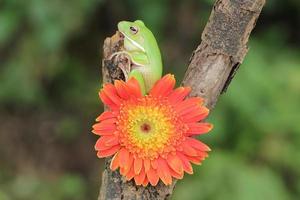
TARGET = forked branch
x,y
212,66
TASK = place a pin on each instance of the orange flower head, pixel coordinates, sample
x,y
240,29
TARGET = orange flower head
x,y
151,137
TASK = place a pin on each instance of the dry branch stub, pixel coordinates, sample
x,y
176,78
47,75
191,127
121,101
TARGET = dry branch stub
x,y
114,186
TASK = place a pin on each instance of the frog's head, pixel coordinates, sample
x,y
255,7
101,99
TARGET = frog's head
x,y
134,33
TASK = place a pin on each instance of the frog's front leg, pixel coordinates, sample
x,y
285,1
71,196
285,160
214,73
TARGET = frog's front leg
x,y
126,68
136,60
139,61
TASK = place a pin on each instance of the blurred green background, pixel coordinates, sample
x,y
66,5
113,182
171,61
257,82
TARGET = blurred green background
x,y
50,57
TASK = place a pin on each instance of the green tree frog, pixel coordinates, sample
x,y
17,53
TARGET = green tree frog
x,y
141,48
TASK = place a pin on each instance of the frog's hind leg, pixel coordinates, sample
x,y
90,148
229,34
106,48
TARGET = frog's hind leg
x,y
139,77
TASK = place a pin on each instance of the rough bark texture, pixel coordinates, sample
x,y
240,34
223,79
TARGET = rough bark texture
x,y
211,68
223,47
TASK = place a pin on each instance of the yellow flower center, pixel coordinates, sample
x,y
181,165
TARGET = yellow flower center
x,y
149,127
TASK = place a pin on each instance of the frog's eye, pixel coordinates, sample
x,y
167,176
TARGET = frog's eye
x,y
133,30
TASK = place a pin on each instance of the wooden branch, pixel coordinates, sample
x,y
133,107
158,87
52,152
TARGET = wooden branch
x,y
223,47
211,68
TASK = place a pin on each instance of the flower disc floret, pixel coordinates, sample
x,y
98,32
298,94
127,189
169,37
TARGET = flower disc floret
x,y
149,127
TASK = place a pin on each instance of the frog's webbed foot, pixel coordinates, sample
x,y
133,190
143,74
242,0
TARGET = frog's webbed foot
x,y
125,64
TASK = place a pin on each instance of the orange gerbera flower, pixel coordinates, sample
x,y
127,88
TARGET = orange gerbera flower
x,y
151,136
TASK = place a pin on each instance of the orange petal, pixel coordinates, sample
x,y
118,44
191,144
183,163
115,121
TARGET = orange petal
x,y
128,165
122,171
130,174
175,174
195,159
122,89
198,128
147,164
154,163
187,167
107,101
152,177
163,172
164,86
203,154
104,127
104,132
111,93
188,105
196,115
197,144
101,143
109,121
105,115
146,182
193,108
188,150
114,164
139,179
134,87
112,141
178,94
108,152
138,163
175,163
124,157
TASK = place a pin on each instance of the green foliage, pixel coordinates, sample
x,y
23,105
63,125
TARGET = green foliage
x,y
31,187
225,176
40,31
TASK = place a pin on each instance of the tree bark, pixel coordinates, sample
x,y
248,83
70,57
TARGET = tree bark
x,y
212,66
